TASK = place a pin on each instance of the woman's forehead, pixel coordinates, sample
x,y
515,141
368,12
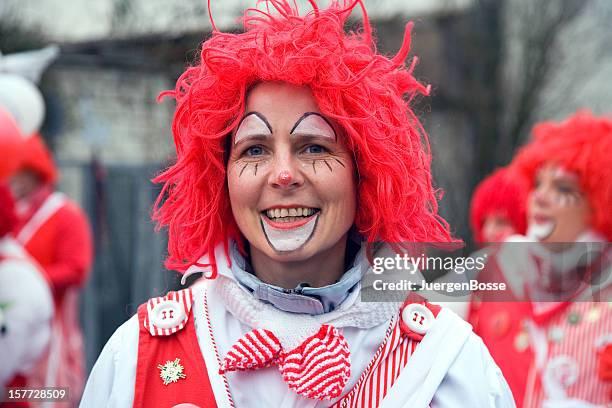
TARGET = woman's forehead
x,y
281,98
557,172
292,108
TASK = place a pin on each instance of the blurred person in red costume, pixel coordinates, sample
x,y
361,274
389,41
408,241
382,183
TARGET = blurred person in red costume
x,y
26,310
554,342
497,210
26,305
53,230
297,155
11,143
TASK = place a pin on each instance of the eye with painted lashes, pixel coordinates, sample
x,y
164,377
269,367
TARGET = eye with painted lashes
x,y
318,149
253,151
565,189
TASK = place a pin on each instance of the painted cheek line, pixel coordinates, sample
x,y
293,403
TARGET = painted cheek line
x,y
242,171
561,201
314,168
338,160
256,168
328,166
567,200
331,170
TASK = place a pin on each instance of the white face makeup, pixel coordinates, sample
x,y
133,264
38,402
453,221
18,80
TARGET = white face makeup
x,y
291,238
558,210
289,229
253,124
313,124
291,181
541,231
570,195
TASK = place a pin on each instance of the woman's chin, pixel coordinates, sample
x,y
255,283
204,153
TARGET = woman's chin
x,y
300,254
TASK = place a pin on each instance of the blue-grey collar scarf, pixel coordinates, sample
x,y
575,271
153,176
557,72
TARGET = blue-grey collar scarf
x,y
302,299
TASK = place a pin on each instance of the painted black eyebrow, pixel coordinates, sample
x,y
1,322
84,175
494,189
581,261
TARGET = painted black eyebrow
x,y
305,115
259,115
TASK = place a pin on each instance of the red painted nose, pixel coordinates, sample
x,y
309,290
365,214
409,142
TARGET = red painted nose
x,y
284,178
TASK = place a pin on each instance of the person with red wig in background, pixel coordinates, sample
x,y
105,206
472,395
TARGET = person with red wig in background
x,y
53,230
497,210
554,341
296,154
497,213
26,305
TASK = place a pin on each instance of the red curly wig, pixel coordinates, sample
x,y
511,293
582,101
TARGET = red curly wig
x,y
581,144
8,217
38,159
366,93
499,193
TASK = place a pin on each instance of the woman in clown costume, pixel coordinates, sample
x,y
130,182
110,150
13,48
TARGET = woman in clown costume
x,y
296,152
552,337
51,228
26,304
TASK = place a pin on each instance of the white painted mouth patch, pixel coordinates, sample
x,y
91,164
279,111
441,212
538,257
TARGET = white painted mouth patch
x,y
541,231
286,240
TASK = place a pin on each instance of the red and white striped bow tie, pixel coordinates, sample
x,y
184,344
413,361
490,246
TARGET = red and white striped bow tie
x,y
319,368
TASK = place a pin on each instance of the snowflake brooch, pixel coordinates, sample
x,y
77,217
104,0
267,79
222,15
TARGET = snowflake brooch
x,y
171,372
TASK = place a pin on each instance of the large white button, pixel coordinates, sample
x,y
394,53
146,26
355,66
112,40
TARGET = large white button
x,y
417,317
167,314
561,373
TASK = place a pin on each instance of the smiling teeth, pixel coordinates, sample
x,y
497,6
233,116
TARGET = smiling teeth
x,y
290,212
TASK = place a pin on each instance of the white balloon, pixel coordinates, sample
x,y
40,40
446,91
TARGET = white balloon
x,y
24,101
29,64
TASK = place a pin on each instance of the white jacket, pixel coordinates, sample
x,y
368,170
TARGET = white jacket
x,y
450,367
